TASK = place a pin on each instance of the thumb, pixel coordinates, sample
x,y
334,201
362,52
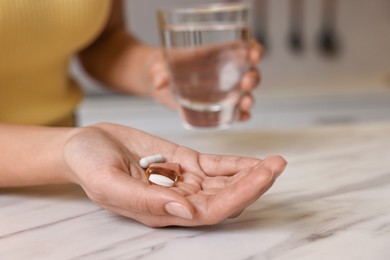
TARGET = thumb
x,y
161,91
161,201
136,197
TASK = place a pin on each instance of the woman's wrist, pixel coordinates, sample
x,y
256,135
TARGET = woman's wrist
x,y
66,174
33,155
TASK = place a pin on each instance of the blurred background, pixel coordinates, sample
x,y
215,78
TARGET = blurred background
x,y
322,56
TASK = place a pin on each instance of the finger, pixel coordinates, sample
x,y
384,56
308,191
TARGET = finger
x,y
250,80
256,51
149,220
246,189
165,97
244,116
246,103
217,165
137,196
275,163
159,75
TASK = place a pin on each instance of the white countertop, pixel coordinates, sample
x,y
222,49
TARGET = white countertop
x,y
332,201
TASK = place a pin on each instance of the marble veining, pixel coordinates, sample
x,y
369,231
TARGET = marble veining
x,y
332,202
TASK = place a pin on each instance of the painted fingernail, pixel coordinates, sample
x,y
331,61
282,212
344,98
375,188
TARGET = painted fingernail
x,y
178,210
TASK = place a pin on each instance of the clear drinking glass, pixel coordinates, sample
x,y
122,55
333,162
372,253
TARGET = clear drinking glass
x,y
206,49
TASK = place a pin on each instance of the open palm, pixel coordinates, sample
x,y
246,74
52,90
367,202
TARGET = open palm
x,y
103,159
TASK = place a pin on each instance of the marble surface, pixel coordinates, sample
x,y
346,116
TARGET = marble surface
x,y
332,201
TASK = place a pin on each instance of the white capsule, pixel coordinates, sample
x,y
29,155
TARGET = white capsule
x,y
161,180
146,161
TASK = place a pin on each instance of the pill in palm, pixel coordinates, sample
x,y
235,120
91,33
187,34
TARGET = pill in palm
x,y
146,161
164,174
161,180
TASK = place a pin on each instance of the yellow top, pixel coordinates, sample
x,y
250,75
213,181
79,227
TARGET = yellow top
x,y
37,39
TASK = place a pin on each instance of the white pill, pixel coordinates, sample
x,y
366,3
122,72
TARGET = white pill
x,y
146,161
161,180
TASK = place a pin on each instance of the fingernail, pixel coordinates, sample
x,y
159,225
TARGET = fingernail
x,y
178,210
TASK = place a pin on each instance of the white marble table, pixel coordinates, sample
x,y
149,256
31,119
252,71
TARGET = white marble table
x,y
332,202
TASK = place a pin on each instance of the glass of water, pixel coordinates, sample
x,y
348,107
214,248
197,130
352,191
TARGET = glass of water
x,y
206,48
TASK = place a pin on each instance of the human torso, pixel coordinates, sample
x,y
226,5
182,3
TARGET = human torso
x,y
37,39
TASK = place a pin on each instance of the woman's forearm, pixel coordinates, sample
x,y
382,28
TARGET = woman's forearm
x,y
32,155
117,58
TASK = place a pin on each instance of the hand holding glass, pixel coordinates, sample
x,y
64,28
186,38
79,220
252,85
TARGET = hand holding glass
x,y
206,49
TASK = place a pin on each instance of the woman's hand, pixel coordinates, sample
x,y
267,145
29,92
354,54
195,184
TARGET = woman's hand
x,y
121,61
104,160
160,79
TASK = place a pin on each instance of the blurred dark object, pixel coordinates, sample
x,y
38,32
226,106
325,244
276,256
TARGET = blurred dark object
x,y
295,36
260,22
328,41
